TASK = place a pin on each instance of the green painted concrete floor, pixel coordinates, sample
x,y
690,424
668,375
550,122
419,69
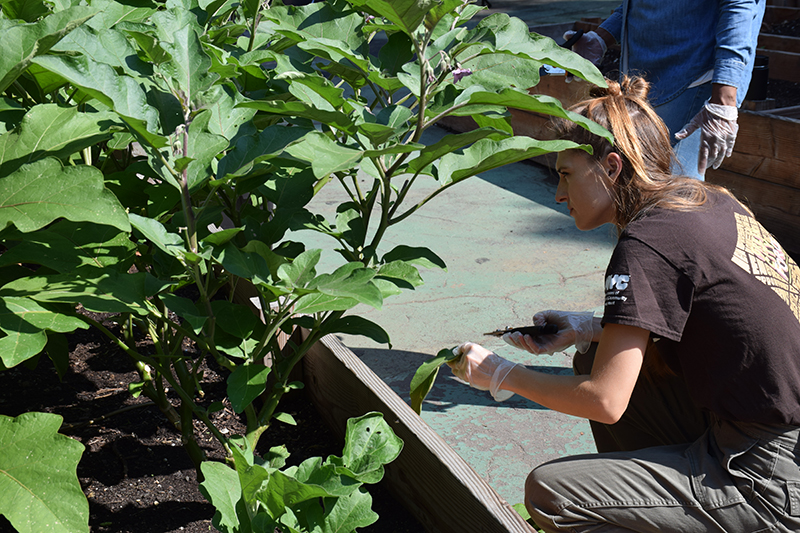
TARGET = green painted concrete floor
x,y
511,251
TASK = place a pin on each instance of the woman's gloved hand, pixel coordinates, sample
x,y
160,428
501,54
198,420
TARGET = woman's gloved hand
x,y
482,369
718,129
573,328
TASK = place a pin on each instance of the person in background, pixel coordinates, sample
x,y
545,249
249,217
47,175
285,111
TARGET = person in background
x,y
691,378
698,55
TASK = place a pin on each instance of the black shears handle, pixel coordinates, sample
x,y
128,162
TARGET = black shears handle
x,y
533,331
572,40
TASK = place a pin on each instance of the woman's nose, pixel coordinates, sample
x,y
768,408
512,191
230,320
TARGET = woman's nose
x,y
561,191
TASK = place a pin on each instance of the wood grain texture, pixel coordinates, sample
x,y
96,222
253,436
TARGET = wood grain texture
x,y
431,480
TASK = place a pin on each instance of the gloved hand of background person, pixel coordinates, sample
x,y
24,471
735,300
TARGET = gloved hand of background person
x,y
590,46
718,129
573,328
482,369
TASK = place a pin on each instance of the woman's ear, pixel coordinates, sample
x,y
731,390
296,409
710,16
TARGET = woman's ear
x,y
613,165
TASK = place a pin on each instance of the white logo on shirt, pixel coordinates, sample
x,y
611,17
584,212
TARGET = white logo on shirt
x,y
615,284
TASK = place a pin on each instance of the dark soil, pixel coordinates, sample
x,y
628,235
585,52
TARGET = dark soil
x,y
134,471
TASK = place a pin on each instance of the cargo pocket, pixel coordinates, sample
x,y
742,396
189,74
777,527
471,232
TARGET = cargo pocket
x,y
794,497
712,485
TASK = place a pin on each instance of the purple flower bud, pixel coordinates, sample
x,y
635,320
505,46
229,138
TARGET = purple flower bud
x,y
460,73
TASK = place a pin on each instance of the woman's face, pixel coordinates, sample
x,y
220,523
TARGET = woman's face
x,y
585,186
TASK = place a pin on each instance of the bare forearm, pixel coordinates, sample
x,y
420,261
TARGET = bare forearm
x,y
604,394
572,395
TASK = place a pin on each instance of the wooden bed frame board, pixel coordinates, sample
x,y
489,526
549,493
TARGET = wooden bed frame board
x,y
429,478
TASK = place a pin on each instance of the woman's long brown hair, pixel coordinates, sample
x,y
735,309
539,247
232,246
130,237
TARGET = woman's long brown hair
x,y
642,141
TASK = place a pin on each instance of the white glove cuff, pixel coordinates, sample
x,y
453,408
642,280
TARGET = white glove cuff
x,y
583,324
499,375
726,112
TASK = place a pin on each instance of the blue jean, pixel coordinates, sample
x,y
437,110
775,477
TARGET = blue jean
x,y
676,114
676,469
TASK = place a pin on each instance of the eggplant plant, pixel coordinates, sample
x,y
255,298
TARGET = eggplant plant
x,y
158,158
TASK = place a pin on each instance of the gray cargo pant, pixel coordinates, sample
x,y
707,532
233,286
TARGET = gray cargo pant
x,y
676,469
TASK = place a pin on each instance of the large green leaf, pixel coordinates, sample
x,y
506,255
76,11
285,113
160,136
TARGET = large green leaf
x,y
234,319
406,14
221,100
318,19
38,482
44,191
252,149
325,155
487,154
285,491
495,72
512,34
245,384
247,264
414,255
113,12
296,108
155,232
203,149
319,303
314,472
24,42
109,46
317,91
536,103
27,10
370,445
222,488
123,94
450,143
335,51
52,130
352,280
189,65
351,512
98,290
64,246
186,309
302,270
25,323
358,325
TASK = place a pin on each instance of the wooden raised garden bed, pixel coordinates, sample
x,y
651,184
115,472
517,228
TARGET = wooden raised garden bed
x,y
429,478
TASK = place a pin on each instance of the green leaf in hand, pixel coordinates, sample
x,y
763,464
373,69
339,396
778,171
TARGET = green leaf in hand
x,y
424,377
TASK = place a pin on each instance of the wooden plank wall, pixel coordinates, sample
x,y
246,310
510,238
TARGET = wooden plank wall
x,y
764,172
431,480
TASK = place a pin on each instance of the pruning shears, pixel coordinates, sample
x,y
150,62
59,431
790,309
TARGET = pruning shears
x,y
533,331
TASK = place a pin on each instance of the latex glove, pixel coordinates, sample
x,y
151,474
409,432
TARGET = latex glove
x,y
573,328
717,135
482,369
590,46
